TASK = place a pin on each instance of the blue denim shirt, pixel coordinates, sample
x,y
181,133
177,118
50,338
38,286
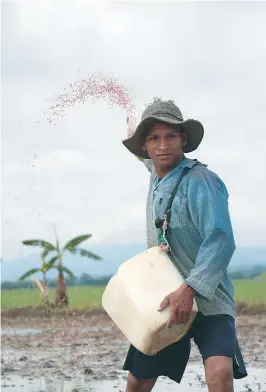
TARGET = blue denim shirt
x,y
199,232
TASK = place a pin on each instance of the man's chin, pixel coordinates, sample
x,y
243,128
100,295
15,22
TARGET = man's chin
x,y
166,162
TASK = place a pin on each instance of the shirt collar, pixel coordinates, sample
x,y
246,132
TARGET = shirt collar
x,y
186,162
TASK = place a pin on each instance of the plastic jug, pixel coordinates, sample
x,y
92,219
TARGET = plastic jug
x,y
133,295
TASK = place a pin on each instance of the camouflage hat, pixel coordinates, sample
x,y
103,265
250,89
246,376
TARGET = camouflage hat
x,y
168,112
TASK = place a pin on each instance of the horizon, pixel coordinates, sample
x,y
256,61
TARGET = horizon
x,y
244,258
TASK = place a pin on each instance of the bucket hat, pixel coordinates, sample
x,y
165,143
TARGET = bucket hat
x,y
167,112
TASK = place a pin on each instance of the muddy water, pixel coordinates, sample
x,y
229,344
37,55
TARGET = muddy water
x,y
11,331
86,353
193,381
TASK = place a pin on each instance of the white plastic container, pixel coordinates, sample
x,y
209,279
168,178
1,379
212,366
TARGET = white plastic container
x,y
133,295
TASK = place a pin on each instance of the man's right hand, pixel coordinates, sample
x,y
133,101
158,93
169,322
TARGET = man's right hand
x,y
131,127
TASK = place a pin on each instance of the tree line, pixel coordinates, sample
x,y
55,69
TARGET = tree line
x,y
51,257
87,280
83,280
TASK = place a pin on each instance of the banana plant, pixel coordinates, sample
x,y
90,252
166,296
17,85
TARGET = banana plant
x,y
45,267
72,247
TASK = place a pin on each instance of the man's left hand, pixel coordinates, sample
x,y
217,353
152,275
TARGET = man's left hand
x,y
181,303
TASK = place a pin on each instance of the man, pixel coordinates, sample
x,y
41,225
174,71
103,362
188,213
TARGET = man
x,y
202,244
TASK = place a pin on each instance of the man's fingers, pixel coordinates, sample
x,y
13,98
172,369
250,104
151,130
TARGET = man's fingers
x,y
177,317
184,317
164,304
171,320
187,317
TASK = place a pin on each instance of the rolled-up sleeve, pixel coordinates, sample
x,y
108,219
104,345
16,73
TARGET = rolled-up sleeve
x,y
208,206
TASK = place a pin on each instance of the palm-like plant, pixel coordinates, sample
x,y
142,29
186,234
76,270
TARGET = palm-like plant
x,y
71,246
45,267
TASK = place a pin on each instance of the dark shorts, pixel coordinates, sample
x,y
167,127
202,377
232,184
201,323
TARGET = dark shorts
x,y
214,336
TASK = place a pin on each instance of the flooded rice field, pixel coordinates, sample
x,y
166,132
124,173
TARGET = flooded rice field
x,y
85,352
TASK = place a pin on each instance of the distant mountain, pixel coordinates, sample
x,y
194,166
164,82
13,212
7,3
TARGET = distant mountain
x,y
113,255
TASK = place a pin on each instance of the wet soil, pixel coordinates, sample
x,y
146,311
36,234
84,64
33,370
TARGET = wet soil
x,y
89,346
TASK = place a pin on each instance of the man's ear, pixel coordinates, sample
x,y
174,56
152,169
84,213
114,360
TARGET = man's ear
x,y
143,147
184,139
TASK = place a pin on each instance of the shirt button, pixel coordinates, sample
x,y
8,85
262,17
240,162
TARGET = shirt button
x,y
155,192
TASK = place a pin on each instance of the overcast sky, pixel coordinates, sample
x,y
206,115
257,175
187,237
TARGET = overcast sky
x,y
208,57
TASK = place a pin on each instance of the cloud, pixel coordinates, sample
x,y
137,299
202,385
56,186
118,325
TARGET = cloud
x,y
210,58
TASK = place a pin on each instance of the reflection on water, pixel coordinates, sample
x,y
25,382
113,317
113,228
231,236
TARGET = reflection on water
x,y
193,381
19,384
30,331
96,329
33,331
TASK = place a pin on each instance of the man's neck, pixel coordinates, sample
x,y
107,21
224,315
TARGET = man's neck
x,y
163,171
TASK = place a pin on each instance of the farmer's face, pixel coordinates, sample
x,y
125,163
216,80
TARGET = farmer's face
x,y
164,145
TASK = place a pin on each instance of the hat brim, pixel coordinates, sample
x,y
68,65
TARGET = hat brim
x,y
193,129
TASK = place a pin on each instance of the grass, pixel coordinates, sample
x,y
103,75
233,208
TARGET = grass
x,y
262,276
81,297
250,291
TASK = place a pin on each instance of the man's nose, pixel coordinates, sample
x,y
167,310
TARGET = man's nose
x,y
163,144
